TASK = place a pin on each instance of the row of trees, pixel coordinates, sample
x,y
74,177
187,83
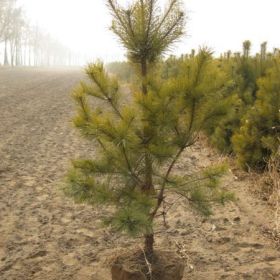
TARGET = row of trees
x,y
22,44
248,124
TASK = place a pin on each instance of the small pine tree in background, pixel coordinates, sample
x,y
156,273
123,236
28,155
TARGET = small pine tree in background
x,y
258,137
139,140
240,93
240,90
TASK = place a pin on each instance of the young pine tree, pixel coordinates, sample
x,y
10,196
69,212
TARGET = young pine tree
x,y
140,138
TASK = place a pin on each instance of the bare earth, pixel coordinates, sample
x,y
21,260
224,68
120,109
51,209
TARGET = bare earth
x,y
43,235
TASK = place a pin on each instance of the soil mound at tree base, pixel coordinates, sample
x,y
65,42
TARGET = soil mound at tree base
x,y
164,265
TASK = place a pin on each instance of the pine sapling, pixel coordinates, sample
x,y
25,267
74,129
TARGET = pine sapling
x,y
140,139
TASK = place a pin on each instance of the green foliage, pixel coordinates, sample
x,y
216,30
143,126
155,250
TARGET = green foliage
x,y
247,125
131,220
139,138
240,92
174,111
244,123
258,137
170,68
201,189
85,189
144,31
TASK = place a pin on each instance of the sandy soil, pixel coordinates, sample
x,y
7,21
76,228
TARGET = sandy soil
x,y
43,235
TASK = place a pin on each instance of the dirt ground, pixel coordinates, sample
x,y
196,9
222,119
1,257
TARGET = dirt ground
x,y
44,235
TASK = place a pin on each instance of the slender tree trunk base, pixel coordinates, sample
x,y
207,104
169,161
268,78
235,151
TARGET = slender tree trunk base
x,y
149,245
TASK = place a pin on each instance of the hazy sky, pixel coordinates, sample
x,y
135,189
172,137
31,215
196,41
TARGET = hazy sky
x,y
83,25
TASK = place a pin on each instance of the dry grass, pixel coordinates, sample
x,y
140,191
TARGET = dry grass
x,y
273,174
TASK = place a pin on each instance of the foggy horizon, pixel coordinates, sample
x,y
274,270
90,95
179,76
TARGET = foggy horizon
x,y
83,26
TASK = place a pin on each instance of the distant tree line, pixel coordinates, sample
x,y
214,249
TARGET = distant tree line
x,y
22,44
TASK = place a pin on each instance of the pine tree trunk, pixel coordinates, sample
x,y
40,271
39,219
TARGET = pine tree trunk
x,y
149,245
148,185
